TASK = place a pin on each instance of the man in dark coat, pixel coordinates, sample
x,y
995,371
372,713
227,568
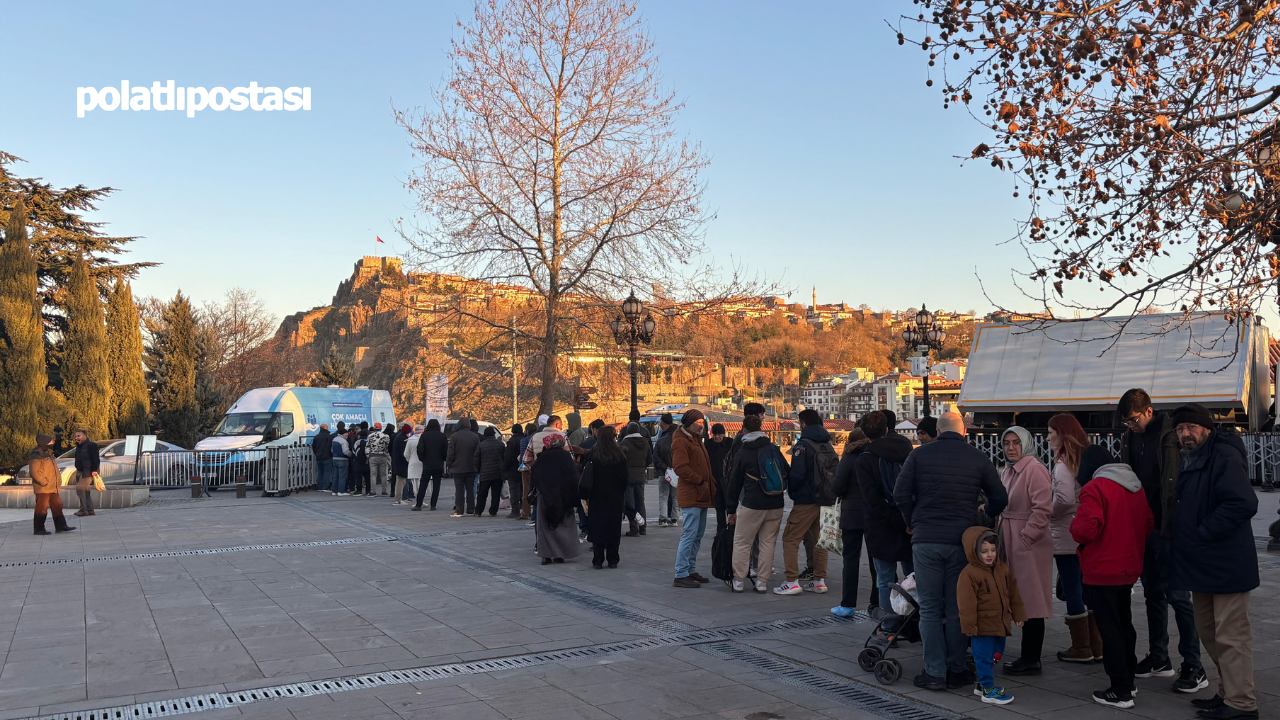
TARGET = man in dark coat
x,y
461,462
668,505
1214,557
88,463
936,492
322,449
432,451
888,542
639,451
489,458
852,526
718,446
511,469
399,463
1150,447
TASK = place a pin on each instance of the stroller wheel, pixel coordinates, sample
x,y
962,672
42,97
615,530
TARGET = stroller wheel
x,y
888,671
868,658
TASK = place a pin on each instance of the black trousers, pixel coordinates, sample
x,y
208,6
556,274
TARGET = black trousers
x,y
601,553
1112,612
852,559
432,478
633,504
515,488
487,488
358,482
1032,639
464,493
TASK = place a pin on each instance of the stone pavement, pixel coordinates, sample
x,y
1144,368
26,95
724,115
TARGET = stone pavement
x,y
352,607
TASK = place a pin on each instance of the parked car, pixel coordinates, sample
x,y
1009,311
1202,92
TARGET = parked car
x,y
114,466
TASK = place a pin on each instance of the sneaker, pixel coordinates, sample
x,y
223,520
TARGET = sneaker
x,y
956,680
1212,703
1190,679
817,586
1114,698
457,515
843,612
1149,668
806,574
761,585
686,582
929,682
993,695
417,508
1226,712
737,586
528,524
788,588
398,502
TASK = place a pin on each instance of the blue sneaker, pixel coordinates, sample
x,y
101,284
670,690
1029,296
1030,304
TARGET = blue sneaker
x,y
992,695
842,611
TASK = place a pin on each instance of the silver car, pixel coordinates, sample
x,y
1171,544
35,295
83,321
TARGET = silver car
x,y
113,465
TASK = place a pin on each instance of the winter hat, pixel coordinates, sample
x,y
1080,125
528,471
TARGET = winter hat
x,y
377,426
691,417
1092,457
44,440
542,420
717,429
1193,413
406,428
1028,447
489,431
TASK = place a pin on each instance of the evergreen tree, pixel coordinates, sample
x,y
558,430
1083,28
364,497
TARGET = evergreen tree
x,y
22,372
86,375
336,369
171,361
211,399
129,401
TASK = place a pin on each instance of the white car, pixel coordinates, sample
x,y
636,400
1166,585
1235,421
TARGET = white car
x,y
113,465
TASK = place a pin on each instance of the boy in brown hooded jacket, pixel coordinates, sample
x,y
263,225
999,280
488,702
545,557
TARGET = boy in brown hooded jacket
x,y
990,606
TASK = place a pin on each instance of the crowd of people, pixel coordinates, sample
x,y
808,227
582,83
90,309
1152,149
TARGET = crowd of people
x,y
1173,510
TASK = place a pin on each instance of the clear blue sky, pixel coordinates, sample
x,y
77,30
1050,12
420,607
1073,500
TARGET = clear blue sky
x,y
832,163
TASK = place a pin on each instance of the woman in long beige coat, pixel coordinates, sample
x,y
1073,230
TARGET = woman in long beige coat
x,y
1027,542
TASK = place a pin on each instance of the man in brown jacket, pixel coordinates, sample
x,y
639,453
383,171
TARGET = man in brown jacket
x,y
45,481
695,492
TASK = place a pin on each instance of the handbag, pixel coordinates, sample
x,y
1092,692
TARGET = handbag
x,y
829,535
98,484
671,477
586,481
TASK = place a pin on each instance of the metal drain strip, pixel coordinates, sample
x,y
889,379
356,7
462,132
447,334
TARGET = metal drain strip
x,y
249,548
863,696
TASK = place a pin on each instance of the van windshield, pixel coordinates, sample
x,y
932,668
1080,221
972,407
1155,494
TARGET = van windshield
x,y
255,424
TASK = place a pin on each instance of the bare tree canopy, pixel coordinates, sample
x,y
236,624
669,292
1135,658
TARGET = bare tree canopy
x,y
550,159
1141,132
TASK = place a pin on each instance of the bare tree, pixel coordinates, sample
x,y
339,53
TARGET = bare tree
x,y
238,325
549,159
1143,134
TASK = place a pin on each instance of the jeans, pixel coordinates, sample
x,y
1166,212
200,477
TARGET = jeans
x,y
324,473
694,527
1112,611
340,474
938,569
667,507
432,478
380,471
633,503
1156,566
464,493
406,488
1072,583
887,572
984,657
582,519
852,540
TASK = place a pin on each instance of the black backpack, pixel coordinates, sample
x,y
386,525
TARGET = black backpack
x,y
825,462
722,555
889,479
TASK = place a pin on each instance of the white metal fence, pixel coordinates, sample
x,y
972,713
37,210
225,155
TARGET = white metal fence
x,y
289,468
211,468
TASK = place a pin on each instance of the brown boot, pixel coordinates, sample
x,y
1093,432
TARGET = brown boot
x,y
1080,650
1095,639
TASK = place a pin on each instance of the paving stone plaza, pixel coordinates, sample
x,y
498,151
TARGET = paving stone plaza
x,y
313,606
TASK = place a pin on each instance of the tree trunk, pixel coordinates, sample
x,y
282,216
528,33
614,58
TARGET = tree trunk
x,y
550,348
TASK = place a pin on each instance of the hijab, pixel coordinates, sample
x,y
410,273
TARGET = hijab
x,y
1028,447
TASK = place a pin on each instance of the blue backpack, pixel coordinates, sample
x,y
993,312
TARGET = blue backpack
x,y
889,479
773,470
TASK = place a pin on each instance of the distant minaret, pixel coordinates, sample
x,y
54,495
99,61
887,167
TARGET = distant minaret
x,y
815,298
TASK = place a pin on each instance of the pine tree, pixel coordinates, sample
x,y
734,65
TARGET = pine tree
x,y
211,399
336,369
171,360
22,372
86,376
129,401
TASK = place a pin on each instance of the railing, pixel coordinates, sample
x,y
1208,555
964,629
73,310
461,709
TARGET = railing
x,y
211,468
289,468
990,443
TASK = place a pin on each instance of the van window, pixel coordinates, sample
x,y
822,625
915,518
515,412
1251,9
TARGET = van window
x,y
255,423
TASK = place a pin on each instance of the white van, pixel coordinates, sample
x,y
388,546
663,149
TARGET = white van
x,y
293,414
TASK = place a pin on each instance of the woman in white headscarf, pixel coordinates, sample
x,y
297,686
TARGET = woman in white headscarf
x,y
1026,541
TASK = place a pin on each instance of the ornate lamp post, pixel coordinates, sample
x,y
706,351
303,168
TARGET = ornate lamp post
x,y
923,336
633,327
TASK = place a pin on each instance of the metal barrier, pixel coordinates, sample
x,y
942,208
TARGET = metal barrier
x,y
289,468
990,443
212,469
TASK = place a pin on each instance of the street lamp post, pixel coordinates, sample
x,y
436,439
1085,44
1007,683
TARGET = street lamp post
x,y
632,328
923,336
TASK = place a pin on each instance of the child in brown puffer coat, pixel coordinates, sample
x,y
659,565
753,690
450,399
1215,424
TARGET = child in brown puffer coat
x,y
990,606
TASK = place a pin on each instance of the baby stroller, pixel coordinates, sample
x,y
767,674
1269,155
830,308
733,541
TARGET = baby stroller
x,y
902,624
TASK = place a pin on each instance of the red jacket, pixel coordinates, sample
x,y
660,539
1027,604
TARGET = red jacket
x,y
1112,523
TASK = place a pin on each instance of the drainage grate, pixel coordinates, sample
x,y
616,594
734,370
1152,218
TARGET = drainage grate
x,y
805,623
863,696
212,701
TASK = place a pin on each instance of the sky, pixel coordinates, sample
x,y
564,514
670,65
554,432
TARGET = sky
x,y
832,164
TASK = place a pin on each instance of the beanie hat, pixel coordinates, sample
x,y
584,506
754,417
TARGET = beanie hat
x,y
1193,413
717,429
44,440
1092,457
691,417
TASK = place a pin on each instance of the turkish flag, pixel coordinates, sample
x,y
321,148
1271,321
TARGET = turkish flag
x,y
378,239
